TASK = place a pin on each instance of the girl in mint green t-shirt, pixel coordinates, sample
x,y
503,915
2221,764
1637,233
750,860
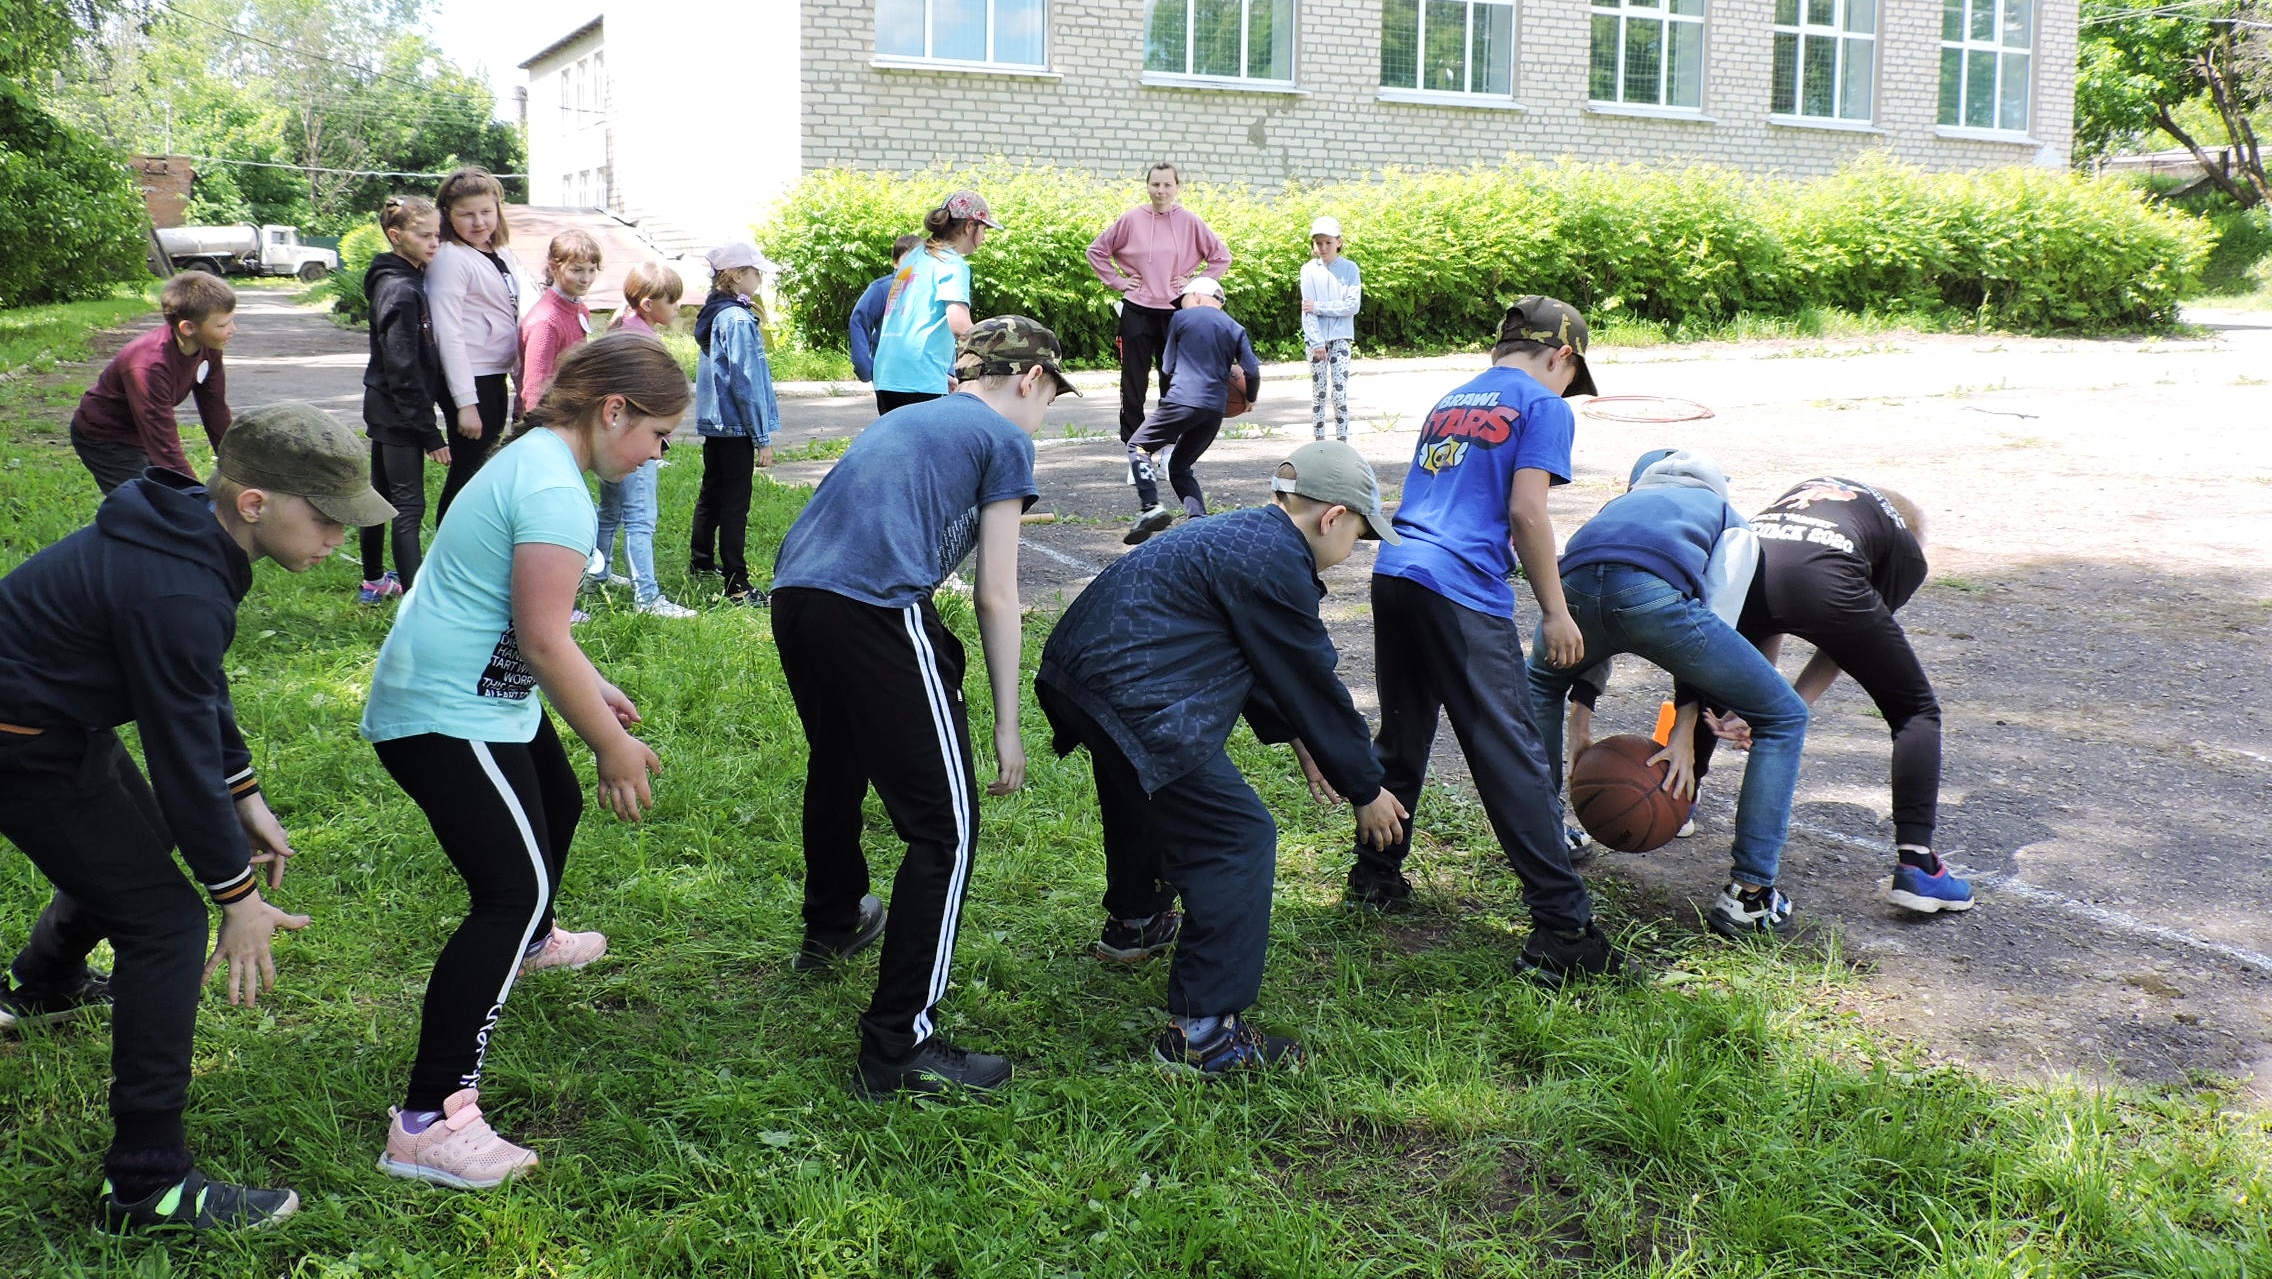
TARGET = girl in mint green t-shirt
x,y
454,719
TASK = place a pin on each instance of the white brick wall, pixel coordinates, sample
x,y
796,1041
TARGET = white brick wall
x,y
1094,111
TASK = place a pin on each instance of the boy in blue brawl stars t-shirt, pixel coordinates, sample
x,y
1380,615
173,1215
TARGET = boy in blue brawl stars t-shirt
x,y
877,679
1444,629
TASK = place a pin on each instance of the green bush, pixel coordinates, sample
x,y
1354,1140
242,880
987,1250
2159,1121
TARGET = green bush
x,y
1444,251
70,217
345,286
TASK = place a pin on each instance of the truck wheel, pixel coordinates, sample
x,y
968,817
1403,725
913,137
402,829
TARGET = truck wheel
x,y
310,272
201,265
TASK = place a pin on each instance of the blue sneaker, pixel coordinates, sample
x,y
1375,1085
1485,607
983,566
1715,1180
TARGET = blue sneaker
x,y
1913,889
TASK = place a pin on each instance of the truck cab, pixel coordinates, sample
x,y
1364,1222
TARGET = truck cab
x,y
281,253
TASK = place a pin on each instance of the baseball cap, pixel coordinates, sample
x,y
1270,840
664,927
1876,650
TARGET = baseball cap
x,y
298,448
1206,286
727,257
1557,323
1330,471
970,204
1007,345
1326,226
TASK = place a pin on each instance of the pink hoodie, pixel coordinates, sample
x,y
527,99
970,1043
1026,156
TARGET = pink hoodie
x,y
554,327
1164,249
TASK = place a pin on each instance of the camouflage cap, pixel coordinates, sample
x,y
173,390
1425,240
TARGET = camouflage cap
x,y
299,448
1557,323
1008,345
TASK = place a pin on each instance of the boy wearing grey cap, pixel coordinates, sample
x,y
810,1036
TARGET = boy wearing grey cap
x,y
129,620
1151,668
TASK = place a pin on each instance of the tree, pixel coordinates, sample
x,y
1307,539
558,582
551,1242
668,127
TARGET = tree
x,y
2146,67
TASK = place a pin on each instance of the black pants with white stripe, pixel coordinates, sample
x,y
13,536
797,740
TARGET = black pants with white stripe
x,y
880,693
504,813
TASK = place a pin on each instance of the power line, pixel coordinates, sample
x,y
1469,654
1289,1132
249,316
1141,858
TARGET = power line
x,y
352,173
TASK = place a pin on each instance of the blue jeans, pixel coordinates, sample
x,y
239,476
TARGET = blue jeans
x,y
1621,609
631,505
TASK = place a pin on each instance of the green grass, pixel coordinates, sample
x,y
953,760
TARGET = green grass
x,y
1730,1119
33,339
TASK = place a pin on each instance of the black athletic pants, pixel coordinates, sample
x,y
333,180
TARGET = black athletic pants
x,y
1143,340
398,472
886,401
73,800
879,691
1850,623
494,399
1187,433
1205,837
111,463
1429,654
504,813
721,509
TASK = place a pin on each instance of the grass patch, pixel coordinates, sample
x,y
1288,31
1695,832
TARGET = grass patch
x,y
687,1094
34,338
827,450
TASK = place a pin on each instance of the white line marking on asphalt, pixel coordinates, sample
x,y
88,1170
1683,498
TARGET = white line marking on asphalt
x,y
1073,562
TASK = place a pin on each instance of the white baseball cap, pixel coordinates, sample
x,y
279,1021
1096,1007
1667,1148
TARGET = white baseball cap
x,y
1326,226
1204,286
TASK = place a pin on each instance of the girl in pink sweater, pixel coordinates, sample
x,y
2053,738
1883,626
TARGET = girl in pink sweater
x,y
559,322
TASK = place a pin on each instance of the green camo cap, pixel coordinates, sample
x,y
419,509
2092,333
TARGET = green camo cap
x,y
1330,471
299,448
1008,345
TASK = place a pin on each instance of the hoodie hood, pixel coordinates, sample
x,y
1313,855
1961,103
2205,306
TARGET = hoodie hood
x,y
172,515
386,264
708,318
1680,468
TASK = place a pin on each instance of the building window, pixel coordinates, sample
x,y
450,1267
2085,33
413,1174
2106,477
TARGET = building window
x,y
1449,46
1222,39
1984,63
567,98
1002,32
599,87
1825,58
568,189
1648,53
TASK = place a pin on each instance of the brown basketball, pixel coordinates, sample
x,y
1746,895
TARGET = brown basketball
x,y
1617,796
1235,398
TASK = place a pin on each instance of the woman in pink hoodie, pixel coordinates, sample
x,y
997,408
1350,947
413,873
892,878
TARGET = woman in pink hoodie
x,y
1147,255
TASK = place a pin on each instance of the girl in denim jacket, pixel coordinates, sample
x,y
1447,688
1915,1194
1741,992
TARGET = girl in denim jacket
x,y
735,411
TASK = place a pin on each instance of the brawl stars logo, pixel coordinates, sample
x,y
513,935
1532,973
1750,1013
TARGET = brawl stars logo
x,y
1460,421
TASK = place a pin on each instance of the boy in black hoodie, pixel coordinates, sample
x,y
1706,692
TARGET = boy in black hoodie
x,y
128,620
401,387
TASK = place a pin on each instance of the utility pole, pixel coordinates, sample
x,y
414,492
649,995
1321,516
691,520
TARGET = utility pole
x,y
169,127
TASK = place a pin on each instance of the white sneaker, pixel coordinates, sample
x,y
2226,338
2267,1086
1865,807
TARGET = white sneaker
x,y
459,1150
661,606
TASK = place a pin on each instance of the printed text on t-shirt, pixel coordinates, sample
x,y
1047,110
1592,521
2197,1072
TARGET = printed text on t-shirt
x,y
507,676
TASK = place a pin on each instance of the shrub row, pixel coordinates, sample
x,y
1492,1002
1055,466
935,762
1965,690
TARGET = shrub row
x,y
2021,248
345,286
71,222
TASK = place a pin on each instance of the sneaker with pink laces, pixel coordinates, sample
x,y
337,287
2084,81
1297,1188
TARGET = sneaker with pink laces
x,y
564,949
460,1149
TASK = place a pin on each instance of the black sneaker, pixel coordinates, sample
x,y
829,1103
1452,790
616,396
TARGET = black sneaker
x,y
22,1009
1124,944
197,1203
751,598
1553,958
1154,519
826,951
935,1068
1372,890
1752,912
697,568
1235,1045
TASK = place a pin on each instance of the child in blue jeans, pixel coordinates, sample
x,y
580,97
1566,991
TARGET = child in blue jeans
x,y
651,294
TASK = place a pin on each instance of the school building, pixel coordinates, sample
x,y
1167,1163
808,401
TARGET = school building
x,y
689,117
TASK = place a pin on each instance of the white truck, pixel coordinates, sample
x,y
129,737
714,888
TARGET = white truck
x,y
245,249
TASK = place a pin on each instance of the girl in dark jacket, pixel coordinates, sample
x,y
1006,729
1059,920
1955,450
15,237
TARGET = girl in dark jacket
x,y
401,386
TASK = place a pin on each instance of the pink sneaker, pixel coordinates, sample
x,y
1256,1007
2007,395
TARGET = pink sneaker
x,y
565,949
460,1149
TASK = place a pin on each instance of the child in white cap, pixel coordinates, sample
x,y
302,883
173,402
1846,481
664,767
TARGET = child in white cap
x,y
1331,294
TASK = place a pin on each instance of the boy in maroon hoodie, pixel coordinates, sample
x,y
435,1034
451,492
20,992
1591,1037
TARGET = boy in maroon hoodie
x,y
125,422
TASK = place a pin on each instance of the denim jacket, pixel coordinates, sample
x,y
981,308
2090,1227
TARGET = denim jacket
x,y
733,385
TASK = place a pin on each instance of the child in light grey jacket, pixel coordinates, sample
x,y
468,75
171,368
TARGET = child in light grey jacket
x,y
1331,294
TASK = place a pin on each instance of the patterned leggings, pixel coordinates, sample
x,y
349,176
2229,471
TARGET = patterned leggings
x,y
1333,369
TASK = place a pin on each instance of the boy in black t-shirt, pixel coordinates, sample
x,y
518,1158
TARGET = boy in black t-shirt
x,y
1837,558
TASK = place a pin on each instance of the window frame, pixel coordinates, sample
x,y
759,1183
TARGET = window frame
x,y
1801,31
1966,48
1416,92
1660,14
931,61
1187,78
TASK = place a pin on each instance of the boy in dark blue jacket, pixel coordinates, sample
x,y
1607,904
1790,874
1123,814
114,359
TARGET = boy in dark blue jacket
x,y
1204,344
129,620
1151,668
1661,572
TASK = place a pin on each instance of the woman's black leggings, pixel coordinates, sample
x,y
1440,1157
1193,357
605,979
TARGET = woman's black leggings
x,y
504,813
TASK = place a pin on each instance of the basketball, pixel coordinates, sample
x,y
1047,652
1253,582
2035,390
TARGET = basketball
x,y
1615,793
1235,398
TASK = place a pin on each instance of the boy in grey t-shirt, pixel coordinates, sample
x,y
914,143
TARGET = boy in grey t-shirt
x,y
877,680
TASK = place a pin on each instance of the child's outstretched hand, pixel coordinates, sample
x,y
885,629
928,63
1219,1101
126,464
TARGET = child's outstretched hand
x,y
247,925
1321,790
1009,762
1381,823
624,767
625,713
